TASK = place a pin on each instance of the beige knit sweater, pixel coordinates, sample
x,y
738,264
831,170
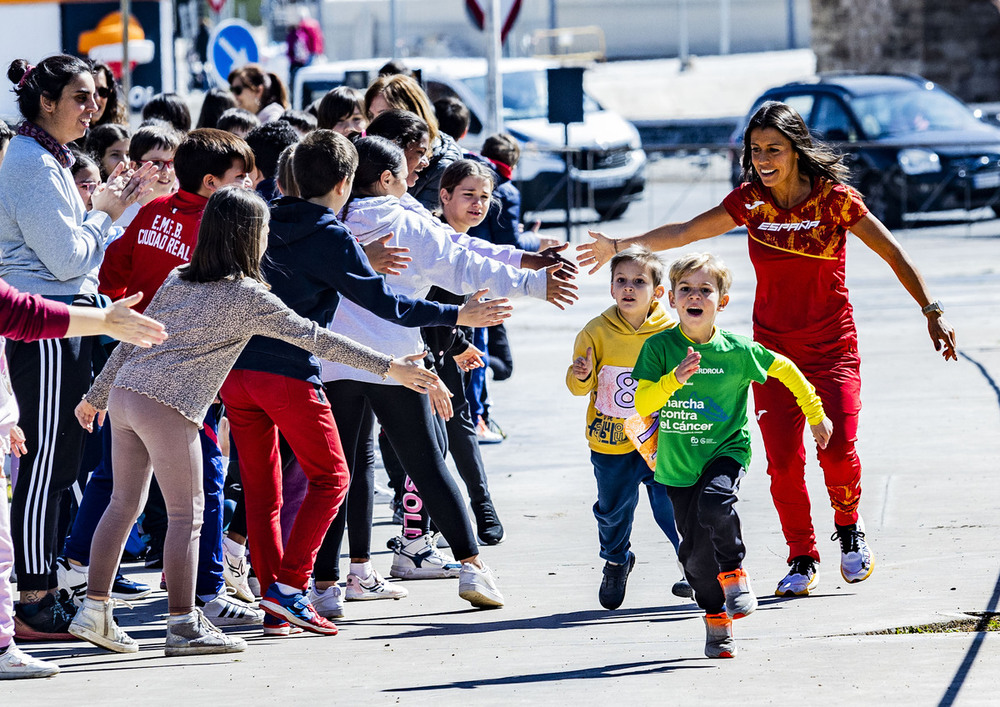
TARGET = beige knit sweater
x,y
208,325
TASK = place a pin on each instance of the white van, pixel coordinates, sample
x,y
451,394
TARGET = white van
x,y
609,163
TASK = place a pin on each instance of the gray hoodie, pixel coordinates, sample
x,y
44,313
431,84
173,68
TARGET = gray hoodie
x,y
49,244
436,260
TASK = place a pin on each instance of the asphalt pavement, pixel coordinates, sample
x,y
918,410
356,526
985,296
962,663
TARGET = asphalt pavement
x,y
929,444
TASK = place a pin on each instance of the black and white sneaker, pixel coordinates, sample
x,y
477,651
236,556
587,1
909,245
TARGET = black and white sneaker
x,y
225,610
72,578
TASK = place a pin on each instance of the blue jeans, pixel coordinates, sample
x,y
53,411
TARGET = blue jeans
x,y
618,479
97,495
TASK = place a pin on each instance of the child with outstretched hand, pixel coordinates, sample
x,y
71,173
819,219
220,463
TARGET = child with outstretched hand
x,y
697,376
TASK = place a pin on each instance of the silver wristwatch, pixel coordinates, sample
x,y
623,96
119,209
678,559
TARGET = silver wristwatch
x,y
932,308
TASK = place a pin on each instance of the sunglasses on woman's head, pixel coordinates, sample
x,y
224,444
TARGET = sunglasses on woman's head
x,y
103,91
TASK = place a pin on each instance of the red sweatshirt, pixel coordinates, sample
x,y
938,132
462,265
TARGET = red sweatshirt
x,y
25,317
161,237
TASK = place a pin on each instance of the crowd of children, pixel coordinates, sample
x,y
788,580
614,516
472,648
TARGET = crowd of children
x,y
383,239
183,215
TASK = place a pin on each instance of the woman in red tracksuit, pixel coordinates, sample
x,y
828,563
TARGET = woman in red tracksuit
x,y
797,210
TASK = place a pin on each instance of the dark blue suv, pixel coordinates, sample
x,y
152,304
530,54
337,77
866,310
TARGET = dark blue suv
x,y
912,147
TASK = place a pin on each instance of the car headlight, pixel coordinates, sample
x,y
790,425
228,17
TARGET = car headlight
x,y
915,160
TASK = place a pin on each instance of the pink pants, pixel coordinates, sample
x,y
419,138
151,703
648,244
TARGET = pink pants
x,y
6,566
835,370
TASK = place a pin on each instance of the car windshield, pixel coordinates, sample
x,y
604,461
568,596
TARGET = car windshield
x,y
525,94
908,112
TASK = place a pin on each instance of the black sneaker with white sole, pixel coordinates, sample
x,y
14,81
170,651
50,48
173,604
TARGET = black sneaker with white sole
x,y
489,530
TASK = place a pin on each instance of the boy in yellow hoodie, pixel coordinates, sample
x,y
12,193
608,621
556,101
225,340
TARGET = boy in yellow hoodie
x,y
604,354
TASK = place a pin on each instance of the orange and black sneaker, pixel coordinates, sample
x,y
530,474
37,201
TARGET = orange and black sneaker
x,y
719,641
740,599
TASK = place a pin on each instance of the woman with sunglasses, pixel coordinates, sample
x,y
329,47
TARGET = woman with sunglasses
x,y
51,245
262,93
110,109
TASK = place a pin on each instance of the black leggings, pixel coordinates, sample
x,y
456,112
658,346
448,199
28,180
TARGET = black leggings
x,y
407,420
462,441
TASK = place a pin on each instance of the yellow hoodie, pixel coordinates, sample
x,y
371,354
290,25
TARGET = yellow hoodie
x,y
616,347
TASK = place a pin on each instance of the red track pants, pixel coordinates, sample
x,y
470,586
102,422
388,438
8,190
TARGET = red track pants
x,y
258,405
834,369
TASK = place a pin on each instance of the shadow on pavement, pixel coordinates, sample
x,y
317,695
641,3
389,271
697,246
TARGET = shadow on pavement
x,y
649,667
977,643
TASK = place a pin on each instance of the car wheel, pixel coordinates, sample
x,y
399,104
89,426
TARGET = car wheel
x,y
881,201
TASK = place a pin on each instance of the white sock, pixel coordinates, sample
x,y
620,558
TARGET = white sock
x,y
234,548
285,589
180,619
208,597
362,569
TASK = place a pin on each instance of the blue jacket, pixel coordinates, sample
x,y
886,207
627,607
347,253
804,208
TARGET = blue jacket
x,y
312,260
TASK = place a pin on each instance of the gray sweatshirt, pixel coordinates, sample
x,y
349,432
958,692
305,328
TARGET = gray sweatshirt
x,y
209,325
49,244
437,260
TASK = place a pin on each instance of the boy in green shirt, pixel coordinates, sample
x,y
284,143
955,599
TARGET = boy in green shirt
x,y
697,377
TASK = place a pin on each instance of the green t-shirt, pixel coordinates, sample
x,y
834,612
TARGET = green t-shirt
x,y
707,418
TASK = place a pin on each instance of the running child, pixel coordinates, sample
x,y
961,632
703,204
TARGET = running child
x,y
697,376
158,403
604,354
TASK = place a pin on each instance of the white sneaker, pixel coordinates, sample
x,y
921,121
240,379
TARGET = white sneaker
x,y
373,586
478,587
236,571
94,622
254,585
419,558
802,578
196,635
328,603
856,562
226,610
73,579
16,664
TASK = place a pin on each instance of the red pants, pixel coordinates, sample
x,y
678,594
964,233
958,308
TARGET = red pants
x,y
834,369
258,405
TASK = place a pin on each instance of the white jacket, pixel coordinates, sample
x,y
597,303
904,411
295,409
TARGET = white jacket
x,y
436,260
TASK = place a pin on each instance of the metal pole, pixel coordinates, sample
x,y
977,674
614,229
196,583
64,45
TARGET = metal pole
x,y
125,9
394,27
792,41
725,30
569,185
684,50
494,79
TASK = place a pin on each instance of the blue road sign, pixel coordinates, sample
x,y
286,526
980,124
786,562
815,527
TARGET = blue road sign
x,y
230,46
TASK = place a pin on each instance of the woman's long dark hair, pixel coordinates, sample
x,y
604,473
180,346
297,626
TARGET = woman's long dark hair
x,y
230,239
815,158
47,79
114,109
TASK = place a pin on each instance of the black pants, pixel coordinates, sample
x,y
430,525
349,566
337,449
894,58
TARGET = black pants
x,y
49,379
407,420
462,441
711,535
